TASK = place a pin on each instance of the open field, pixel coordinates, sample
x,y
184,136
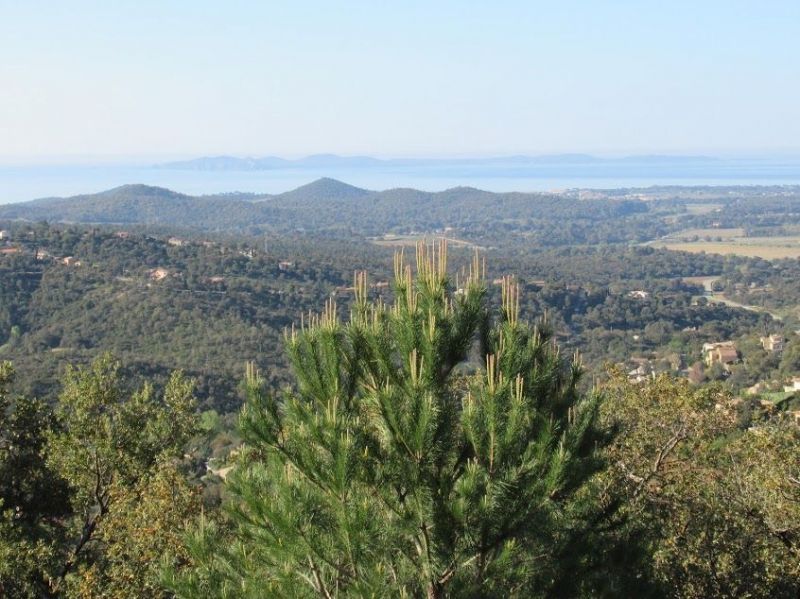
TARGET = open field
x,y
755,247
703,208
689,234
731,241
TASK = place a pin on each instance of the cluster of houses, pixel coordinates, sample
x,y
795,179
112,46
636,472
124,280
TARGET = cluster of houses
x,y
725,352
38,253
161,273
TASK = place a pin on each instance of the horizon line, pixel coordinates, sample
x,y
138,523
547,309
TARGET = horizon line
x,y
154,160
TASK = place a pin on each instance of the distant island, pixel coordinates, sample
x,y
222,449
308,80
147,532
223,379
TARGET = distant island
x,y
333,161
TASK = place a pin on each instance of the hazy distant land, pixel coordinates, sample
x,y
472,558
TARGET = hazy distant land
x,y
547,161
273,175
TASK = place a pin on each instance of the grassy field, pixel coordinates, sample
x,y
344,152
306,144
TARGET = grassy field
x,y
702,208
731,241
692,234
768,248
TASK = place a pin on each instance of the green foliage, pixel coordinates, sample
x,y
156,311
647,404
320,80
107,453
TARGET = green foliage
x,y
27,485
218,308
717,507
109,434
226,303
111,444
92,500
31,494
331,208
141,534
394,468
23,556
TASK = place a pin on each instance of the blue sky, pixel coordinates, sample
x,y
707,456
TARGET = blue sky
x,y
97,80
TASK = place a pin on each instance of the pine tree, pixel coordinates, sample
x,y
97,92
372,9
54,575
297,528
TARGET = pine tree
x,y
426,450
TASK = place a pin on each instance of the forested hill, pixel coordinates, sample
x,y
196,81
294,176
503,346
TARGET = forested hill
x,y
137,204
208,305
331,207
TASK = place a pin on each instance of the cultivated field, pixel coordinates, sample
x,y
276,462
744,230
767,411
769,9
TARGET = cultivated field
x,y
703,208
732,241
769,248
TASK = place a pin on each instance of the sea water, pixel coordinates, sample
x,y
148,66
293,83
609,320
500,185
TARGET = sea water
x,y
21,183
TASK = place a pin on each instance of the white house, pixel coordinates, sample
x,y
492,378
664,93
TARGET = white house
x,y
793,386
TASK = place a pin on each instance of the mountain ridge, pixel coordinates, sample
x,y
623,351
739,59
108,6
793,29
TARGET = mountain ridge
x,y
325,206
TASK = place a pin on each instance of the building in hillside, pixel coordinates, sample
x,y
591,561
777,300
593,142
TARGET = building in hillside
x,y
10,251
3,235
70,261
723,352
639,294
641,373
773,343
793,386
176,241
285,265
159,274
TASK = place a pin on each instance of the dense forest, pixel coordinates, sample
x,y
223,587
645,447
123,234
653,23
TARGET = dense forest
x,y
208,305
509,220
435,442
222,404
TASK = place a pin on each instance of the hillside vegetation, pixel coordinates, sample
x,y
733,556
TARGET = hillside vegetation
x,y
405,409
330,207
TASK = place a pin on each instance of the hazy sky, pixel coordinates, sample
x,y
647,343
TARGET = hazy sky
x,y
169,78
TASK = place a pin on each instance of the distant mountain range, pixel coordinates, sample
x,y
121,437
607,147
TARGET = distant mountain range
x,y
332,161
